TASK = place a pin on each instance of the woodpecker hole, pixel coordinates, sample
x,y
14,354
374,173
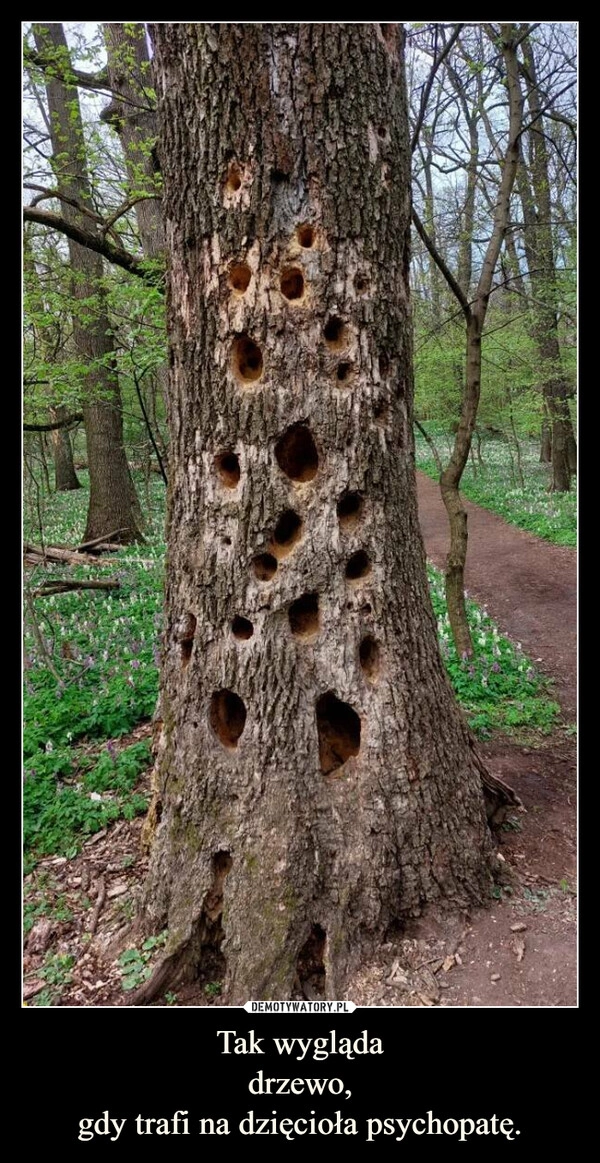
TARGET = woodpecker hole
x,y
227,717
349,508
228,468
357,566
239,277
292,283
264,566
296,453
247,359
335,332
303,616
338,728
306,235
343,373
186,639
287,531
241,628
234,178
310,966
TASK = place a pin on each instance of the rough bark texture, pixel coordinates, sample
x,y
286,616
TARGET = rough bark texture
x,y
65,477
534,189
132,115
113,503
315,779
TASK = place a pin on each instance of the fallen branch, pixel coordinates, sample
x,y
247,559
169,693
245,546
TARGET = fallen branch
x,y
105,538
101,897
63,587
36,554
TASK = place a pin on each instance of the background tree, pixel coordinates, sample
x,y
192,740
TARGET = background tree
x,y
473,306
316,782
113,504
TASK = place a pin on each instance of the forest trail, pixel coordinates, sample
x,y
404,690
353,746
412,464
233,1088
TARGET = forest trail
x,y
528,585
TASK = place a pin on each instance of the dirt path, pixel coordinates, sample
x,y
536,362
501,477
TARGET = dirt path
x,y
529,586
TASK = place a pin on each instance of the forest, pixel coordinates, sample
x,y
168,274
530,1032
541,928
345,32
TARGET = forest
x,y
299,513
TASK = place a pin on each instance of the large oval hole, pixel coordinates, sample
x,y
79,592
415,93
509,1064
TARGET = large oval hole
x,y
338,727
303,616
247,360
227,717
296,453
287,532
357,566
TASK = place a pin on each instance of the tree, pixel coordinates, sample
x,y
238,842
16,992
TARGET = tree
x,y
315,781
113,505
474,308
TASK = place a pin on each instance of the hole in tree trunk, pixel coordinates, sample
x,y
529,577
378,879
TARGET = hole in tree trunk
x,y
228,468
369,653
360,284
239,277
310,965
343,373
186,638
296,453
306,235
264,566
303,616
357,566
242,627
335,332
338,727
247,359
227,717
349,508
292,283
287,531
234,178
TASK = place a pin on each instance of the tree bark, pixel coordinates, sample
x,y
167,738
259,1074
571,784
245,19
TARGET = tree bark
x,y
534,189
315,781
65,477
113,502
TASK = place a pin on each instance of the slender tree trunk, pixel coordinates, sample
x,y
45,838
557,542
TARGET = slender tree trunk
x,y
534,189
65,477
316,780
546,438
113,503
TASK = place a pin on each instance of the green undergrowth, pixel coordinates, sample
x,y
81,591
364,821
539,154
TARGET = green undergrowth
x,y
494,483
91,675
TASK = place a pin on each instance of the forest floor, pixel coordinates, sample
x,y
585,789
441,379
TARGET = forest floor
x,y
520,951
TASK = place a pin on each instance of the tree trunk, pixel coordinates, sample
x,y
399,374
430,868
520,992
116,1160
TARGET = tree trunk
x,y
546,439
113,503
316,783
65,477
534,190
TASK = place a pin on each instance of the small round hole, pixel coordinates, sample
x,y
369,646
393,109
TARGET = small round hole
x,y
239,277
306,235
360,284
228,468
349,508
264,566
357,566
335,332
242,628
234,178
247,359
382,131
292,283
343,373
287,530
